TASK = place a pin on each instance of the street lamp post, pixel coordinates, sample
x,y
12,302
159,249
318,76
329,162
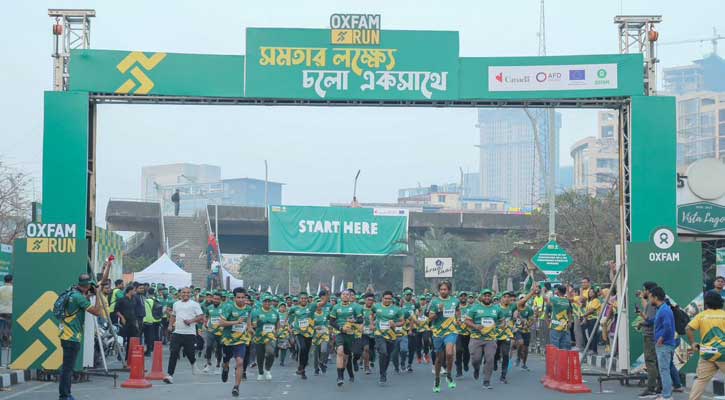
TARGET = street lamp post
x,y
354,189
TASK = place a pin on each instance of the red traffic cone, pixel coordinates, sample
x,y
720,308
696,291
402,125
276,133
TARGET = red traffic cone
x,y
574,383
561,371
132,342
136,380
157,368
549,364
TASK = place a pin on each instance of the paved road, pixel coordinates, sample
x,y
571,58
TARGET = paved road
x,y
285,385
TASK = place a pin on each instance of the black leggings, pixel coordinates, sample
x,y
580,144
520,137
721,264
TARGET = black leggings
x,y
502,352
463,355
426,342
265,356
303,345
177,343
213,345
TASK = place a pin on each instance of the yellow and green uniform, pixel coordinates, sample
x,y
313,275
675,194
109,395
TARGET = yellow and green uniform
x,y
282,333
322,328
402,331
539,306
149,317
236,334
593,305
300,318
384,317
446,323
488,316
422,323
409,308
560,308
506,327
213,315
116,295
576,310
711,326
462,327
347,316
71,328
367,312
523,322
265,325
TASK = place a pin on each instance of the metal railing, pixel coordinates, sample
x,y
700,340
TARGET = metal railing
x,y
164,239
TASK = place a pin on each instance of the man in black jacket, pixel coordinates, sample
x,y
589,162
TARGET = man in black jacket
x,y
177,201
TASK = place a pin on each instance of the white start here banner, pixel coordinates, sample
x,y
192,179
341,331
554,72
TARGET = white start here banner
x,y
532,78
439,267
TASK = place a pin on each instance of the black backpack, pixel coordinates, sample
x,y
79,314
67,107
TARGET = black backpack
x,y
60,305
157,310
681,320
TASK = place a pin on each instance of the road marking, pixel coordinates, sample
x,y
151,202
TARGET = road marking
x,y
29,390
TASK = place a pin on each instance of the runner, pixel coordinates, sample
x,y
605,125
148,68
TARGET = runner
x,y
409,343
425,339
559,309
483,319
283,336
463,356
235,318
300,319
368,333
385,317
444,315
265,322
505,334
213,333
321,339
524,317
346,317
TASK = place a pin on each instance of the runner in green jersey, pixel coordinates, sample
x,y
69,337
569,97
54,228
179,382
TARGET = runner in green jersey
x,y
444,314
214,332
505,334
524,316
560,310
265,322
384,319
283,335
302,326
235,318
347,317
483,319
368,333
407,339
320,340
463,356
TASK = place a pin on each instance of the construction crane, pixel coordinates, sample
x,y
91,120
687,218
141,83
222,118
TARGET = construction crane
x,y
712,39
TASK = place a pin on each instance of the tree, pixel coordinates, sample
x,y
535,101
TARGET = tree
x,y
135,264
14,203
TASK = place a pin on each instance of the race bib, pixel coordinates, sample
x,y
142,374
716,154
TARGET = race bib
x,y
708,350
422,318
556,322
367,330
304,323
384,325
321,330
487,322
240,328
283,321
399,329
449,313
214,321
267,328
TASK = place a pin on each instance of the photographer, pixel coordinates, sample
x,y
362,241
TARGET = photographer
x,y
71,327
648,327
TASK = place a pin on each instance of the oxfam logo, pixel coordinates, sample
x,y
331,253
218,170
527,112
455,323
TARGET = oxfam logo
x,y
602,73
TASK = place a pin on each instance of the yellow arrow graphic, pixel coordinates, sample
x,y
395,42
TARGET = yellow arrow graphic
x,y
139,57
146,83
37,310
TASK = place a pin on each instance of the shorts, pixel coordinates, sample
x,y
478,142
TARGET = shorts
x,y
235,351
439,343
525,336
346,341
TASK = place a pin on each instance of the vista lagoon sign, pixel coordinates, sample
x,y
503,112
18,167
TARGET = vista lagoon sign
x,y
338,230
701,217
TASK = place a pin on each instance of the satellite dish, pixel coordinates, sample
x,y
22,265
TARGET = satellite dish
x,y
706,178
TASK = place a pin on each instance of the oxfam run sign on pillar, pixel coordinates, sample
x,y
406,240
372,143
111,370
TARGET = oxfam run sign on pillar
x,y
552,260
338,230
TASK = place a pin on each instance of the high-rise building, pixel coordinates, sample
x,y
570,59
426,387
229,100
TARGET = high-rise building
x,y
700,127
510,163
596,159
471,184
704,75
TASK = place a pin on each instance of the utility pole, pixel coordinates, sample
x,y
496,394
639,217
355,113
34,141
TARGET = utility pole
x,y
266,189
637,34
72,30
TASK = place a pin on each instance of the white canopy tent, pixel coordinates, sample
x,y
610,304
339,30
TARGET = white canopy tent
x,y
164,271
233,282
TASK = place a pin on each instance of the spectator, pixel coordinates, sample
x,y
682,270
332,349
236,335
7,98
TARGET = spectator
x,y
176,199
126,315
139,300
718,286
179,262
647,325
664,336
6,311
711,325
590,316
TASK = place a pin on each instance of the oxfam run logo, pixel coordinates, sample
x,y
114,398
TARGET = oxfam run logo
x,y
602,73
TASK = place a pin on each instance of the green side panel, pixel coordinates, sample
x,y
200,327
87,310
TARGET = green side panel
x,y
65,155
39,278
653,152
475,84
172,74
681,279
302,64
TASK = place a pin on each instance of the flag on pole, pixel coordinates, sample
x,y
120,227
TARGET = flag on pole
x,y
332,285
269,289
276,288
342,285
509,284
308,287
494,284
259,288
319,286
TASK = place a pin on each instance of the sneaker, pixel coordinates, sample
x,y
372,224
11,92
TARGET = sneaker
x,y
678,390
340,382
303,376
235,391
487,385
260,377
206,369
503,380
465,367
383,380
525,368
217,371
420,360
225,373
436,389
476,373
433,370
410,369
268,375
451,383
323,367
244,376
459,374
317,372
648,394
443,370
427,359
368,371
169,379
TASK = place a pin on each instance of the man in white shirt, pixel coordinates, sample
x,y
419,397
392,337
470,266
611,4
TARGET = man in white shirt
x,y
185,314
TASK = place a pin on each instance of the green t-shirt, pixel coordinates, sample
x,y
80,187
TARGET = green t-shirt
x,y
560,308
265,323
300,317
71,328
347,316
506,328
525,315
213,315
235,334
367,312
488,316
445,323
383,318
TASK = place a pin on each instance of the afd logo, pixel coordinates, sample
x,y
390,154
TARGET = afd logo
x,y
140,80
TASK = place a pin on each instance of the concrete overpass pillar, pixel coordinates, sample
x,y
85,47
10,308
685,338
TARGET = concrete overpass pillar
x,y
409,267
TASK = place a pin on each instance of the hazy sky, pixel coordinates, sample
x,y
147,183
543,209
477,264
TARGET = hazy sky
x,y
315,151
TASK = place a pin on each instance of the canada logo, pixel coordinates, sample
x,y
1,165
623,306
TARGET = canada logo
x,y
499,77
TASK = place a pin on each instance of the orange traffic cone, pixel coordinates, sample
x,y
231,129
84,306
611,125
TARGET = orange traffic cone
x,y
157,368
574,383
136,380
132,342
